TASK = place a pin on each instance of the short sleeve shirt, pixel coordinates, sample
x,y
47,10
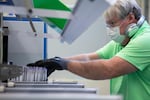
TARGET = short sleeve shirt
x,y
133,86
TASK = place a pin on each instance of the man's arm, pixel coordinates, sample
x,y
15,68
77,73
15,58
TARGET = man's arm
x,y
94,68
101,69
84,57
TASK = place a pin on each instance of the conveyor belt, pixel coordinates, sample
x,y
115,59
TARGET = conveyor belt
x,y
46,82
50,90
32,82
28,96
17,85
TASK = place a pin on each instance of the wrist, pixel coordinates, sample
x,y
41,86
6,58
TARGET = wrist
x,y
63,62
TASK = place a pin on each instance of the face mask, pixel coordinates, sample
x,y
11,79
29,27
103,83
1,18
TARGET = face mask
x,y
114,34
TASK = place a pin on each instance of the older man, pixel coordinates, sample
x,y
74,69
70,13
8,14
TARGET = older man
x,y
125,60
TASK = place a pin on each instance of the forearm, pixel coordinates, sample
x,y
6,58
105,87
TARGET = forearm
x,y
81,57
101,69
95,69
84,57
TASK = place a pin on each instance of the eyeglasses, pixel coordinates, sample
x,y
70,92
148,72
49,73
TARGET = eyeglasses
x,y
114,23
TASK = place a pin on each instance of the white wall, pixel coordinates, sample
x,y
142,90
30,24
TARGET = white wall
x,y
91,40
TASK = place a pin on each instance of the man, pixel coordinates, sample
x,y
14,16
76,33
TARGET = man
x,y
125,60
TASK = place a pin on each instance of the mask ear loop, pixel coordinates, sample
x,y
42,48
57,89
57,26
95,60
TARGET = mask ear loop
x,y
134,27
141,21
127,38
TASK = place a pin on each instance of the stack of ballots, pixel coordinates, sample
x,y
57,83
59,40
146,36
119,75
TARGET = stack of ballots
x,y
32,74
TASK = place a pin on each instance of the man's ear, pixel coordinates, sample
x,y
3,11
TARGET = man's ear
x,y
131,18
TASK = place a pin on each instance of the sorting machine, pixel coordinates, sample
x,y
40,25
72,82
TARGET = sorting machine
x,y
16,83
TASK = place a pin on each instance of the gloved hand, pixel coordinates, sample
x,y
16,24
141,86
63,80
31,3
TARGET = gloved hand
x,y
51,64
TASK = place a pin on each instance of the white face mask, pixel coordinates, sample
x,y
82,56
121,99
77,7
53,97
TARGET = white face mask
x,y
114,34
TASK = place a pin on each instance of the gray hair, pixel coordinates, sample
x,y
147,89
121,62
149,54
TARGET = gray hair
x,y
122,8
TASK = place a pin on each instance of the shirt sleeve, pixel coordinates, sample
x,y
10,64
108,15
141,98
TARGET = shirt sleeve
x,y
105,52
137,52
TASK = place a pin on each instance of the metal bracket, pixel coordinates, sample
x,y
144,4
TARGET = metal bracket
x,y
36,12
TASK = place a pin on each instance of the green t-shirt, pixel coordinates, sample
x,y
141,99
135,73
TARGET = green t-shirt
x,y
136,85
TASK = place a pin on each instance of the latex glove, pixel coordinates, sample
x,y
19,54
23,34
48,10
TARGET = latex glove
x,y
51,64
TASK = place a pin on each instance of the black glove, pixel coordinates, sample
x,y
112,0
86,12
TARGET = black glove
x,y
51,64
